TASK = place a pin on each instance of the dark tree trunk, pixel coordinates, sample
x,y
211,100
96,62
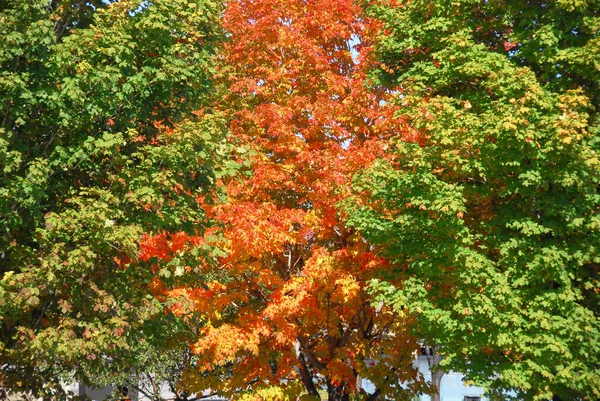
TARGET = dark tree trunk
x,y
305,373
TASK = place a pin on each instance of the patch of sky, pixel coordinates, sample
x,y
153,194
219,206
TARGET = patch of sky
x,y
144,5
513,53
352,45
286,21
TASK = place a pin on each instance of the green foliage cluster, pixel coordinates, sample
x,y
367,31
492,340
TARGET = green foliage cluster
x,y
98,146
492,218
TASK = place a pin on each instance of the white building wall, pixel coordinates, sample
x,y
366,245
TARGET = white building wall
x,y
452,386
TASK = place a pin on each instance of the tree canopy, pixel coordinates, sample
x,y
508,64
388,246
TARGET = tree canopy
x,y
277,200
492,214
289,310
98,147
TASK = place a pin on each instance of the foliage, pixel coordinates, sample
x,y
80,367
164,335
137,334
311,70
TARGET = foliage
x,y
99,152
288,311
129,229
490,214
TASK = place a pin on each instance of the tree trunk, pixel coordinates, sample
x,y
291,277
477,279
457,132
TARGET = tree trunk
x,y
436,380
305,374
433,360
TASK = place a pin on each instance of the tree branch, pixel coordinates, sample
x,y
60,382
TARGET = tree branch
x,y
305,374
306,351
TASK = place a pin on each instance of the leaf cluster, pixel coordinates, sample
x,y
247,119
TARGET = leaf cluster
x,y
491,213
98,147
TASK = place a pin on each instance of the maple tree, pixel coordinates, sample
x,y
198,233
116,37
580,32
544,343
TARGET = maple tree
x,y
98,147
288,309
491,216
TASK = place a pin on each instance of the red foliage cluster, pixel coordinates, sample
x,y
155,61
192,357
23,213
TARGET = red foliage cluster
x,y
294,303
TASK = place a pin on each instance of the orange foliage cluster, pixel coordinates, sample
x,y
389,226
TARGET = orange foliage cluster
x,y
164,246
294,304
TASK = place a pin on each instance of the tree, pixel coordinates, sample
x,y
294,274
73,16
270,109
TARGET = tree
x,y
99,152
288,311
490,215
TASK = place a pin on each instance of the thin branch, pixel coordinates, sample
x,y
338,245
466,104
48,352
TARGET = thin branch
x,y
47,305
202,397
141,390
374,396
306,351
